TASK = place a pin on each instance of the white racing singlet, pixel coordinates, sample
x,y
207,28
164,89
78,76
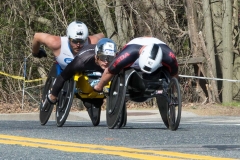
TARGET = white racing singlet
x,y
65,56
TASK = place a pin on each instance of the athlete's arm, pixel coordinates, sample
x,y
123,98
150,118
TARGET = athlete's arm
x,y
106,77
93,39
50,41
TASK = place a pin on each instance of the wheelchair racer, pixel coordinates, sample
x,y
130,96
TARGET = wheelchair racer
x,y
145,53
95,57
64,48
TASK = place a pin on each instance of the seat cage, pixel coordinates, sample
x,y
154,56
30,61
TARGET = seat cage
x,y
83,88
141,86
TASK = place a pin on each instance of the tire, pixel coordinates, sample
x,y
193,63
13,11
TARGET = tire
x,y
122,118
125,115
65,99
115,100
45,111
163,109
94,109
174,105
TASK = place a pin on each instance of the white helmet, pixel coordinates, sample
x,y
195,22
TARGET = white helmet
x,y
106,49
150,58
77,30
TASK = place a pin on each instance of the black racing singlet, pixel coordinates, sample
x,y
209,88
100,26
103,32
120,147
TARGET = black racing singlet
x,y
85,60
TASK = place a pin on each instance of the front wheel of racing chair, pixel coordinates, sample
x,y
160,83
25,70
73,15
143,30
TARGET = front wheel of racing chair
x,y
116,102
94,109
65,100
174,104
46,109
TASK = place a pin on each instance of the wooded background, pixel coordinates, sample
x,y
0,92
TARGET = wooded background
x,y
204,34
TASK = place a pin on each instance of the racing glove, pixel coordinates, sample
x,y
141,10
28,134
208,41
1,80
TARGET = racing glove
x,y
41,53
94,83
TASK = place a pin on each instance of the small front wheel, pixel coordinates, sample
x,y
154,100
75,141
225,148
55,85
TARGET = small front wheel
x,y
94,109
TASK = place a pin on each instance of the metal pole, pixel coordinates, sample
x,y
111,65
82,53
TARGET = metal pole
x,y
24,75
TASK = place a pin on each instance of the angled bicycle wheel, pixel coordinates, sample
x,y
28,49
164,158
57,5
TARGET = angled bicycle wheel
x,y
94,109
174,105
46,109
163,109
125,115
65,99
115,100
122,117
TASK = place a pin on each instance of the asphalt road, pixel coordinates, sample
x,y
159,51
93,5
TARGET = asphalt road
x,y
144,137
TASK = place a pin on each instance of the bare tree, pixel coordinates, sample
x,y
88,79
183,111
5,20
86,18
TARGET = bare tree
x,y
105,14
195,42
210,52
236,48
227,63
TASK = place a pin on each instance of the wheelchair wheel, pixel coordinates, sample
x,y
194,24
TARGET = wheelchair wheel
x,y
125,115
65,99
163,109
122,118
174,105
46,110
94,109
115,100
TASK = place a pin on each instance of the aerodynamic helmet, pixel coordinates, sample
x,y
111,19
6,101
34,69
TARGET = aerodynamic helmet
x,y
77,30
106,49
150,58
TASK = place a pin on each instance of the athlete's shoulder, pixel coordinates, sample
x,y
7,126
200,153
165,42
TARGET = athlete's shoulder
x,y
87,49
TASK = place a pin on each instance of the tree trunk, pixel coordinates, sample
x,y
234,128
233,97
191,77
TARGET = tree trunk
x,y
211,72
124,29
164,32
216,9
106,18
227,65
236,43
195,43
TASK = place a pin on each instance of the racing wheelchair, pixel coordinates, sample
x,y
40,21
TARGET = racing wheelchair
x,y
134,85
76,87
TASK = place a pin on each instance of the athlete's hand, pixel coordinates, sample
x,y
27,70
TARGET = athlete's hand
x,y
41,53
97,89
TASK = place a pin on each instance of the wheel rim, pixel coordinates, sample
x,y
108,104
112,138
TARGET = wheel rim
x,y
114,93
65,98
45,111
115,100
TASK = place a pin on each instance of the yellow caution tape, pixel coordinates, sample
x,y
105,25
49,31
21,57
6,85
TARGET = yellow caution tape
x,y
35,80
22,78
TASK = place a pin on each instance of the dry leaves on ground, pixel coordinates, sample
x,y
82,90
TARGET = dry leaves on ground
x,y
212,109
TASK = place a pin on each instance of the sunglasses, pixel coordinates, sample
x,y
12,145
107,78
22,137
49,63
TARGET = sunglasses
x,y
106,58
76,41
